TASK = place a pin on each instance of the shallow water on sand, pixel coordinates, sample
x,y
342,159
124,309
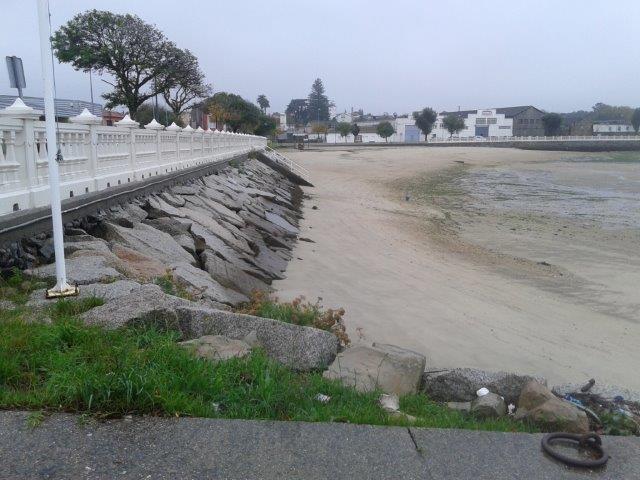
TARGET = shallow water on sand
x,y
603,189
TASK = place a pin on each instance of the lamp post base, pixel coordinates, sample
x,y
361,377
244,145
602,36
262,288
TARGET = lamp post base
x,y
60,291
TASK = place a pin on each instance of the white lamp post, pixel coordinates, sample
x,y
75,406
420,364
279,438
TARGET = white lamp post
x,y
62,288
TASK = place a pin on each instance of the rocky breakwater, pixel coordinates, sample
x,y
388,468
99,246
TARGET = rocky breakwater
x,y
217,239
182,258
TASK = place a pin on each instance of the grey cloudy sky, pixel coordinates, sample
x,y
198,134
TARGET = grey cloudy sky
x,y
379,55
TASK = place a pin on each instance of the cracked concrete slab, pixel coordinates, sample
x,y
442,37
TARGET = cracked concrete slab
x,y
62,447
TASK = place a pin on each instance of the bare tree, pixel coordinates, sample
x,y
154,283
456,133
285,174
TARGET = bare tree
x,y
185,83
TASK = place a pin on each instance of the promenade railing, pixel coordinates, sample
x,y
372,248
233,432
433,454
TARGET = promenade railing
x,y
96,157
299,170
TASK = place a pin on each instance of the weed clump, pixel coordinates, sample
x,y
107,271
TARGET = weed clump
x,y
299,312
169,286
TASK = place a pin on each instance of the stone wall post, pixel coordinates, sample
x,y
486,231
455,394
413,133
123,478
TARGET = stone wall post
x,y
132,125
87,118
27,140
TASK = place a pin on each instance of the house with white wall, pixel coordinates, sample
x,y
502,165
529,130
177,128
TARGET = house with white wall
x,y
478,123
343,117
613,128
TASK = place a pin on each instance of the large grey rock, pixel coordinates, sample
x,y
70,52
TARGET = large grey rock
x,y
254,192
185,190
81,270
600,389
300,348
222,198
136,265
178,228
217,347
148,241
282,223
269,261
216,229
214,182
107,291
461,384
268,228
231,276
386,367
148,305
127,215
96,245
490,405
537,404
158,208
215,208
187,242
201,284
173,200
174,226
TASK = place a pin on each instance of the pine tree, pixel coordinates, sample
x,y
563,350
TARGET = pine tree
x,y
318,103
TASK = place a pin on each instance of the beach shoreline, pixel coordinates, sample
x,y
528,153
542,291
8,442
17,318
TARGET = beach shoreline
x,y
429,275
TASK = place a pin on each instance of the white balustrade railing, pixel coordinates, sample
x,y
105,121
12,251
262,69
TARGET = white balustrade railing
x,y
97,157
297,169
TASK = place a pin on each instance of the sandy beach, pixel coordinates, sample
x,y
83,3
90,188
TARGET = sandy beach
x,y
424,251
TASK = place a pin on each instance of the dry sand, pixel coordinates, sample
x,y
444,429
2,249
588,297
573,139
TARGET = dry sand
x,y
438,278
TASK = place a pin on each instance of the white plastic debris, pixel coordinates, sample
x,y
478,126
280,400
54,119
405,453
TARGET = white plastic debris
x,y
511,409
482,392
389,403
322,398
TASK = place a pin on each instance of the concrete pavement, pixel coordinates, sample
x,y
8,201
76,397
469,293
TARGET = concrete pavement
x,y
66,447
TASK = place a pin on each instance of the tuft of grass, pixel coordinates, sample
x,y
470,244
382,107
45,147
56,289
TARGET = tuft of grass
x,y
69,307
16,287
68,366
35,419
299,312
169,286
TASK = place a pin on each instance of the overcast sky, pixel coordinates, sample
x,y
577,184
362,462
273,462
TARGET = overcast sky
x,y
379,55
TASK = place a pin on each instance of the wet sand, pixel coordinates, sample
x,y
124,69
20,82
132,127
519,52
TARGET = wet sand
x,y
448,275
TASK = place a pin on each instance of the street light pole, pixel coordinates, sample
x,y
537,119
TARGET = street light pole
x,y
62,288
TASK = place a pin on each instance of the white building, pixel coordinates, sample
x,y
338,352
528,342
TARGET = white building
x,y
612,128
478,123
343,117
404,127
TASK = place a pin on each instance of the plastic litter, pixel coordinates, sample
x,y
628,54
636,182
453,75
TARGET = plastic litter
x,y
511,409
390,403
322,398
482,392
573,400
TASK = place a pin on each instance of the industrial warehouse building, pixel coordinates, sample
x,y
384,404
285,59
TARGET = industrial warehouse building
x,y
523,121
478,123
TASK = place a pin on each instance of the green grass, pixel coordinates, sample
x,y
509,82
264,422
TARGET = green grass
x,y
16,287
67,366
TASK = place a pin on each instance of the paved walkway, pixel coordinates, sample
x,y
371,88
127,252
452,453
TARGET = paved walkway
x,y
64,447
